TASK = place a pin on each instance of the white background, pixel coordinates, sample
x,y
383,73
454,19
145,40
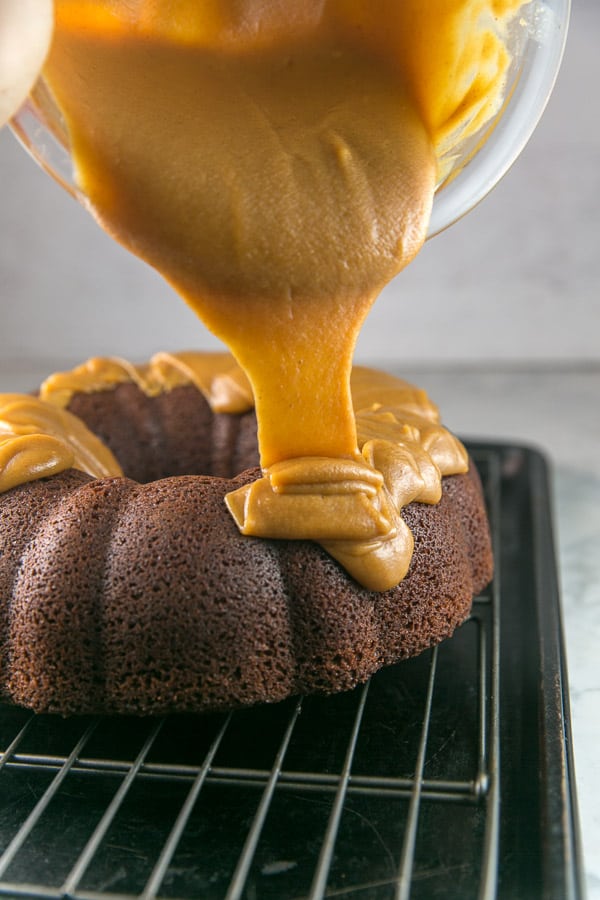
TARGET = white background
x,y
516,281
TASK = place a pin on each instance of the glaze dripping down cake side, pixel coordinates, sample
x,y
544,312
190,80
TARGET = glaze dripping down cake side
x,y
137,593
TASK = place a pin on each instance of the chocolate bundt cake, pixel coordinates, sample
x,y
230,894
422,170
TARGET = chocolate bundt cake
x,y
137,593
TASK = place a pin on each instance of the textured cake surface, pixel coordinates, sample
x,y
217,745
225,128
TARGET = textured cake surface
x,y
139,594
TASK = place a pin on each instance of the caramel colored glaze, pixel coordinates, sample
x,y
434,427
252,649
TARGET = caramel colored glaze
x,y
38,439
351,506
216,375
279,226
277,164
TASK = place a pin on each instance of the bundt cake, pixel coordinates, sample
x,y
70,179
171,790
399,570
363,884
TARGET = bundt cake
x,y
137,593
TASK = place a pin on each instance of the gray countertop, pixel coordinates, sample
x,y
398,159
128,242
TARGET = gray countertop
x,y
555,411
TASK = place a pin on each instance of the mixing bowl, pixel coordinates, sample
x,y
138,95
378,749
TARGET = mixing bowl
x,y
471,168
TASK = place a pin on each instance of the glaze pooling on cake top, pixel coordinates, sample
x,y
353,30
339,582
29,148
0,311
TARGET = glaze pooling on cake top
x,y
216,375
403,457
277,164
404,453
138,594
38,439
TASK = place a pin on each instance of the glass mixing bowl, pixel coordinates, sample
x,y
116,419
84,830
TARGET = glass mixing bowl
x,y
536,45
472,168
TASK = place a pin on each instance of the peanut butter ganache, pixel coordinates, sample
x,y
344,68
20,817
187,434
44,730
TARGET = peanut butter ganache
x,y
277,163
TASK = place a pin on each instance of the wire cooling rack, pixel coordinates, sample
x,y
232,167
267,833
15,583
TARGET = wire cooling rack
x,y
448,776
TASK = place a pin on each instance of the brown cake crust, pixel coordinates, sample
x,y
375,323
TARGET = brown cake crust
x,y
174,433
120,596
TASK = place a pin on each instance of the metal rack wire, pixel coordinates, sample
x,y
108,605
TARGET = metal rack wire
x,y
389,791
